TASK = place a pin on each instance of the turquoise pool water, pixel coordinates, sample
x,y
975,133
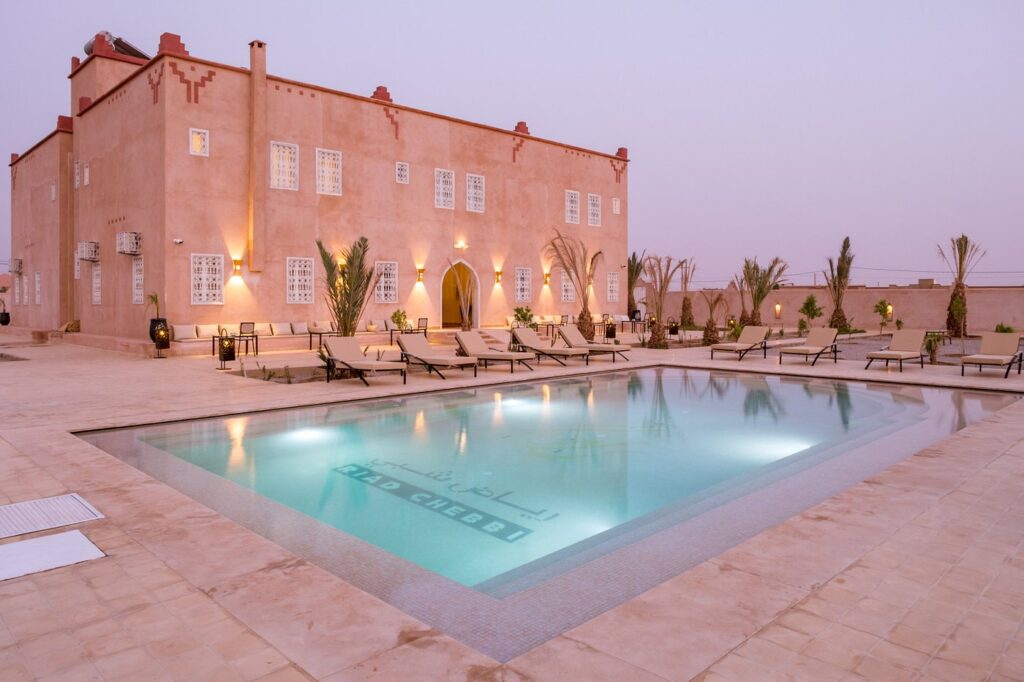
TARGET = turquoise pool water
x,y
475,485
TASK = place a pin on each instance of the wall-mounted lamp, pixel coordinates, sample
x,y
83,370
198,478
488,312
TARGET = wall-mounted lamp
x,y
547,278
888,312
461,245
778,311
419,274
497,276
236,264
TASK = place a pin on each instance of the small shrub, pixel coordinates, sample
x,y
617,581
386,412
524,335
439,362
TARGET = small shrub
x,y
931,345
1004,329
802,326
400,319
899,324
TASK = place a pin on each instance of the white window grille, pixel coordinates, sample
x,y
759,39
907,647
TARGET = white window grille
x,y
138,280
524,285
387,281
53,191
594,210
85,175
328,172
14,266
198,142
568,290
572,207
207,279
613,287
78,174
129,243
97,284
24,289
401,172
17,289
616,206
475,193
299,272
39,288
89,251
444,188
284,166
78,269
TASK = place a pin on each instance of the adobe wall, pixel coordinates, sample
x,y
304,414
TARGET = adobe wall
x,y
917,307
38,198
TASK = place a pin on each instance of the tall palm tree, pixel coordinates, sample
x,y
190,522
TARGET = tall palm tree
x,y
837,280
741,285
760,282
659,272
350,280
713,298
686,274
961,259
634,268
575,259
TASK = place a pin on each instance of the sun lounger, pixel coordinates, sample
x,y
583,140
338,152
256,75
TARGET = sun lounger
x,y
998,349
820,341
343,351
751,338
472,344
417,351
905,345
528,339
574,338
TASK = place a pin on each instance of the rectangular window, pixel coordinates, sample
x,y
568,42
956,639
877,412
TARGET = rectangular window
x,y
39,288
475,190
613,287
17,289
572,207
328,172
444,188
387,281
524,285
24,289
53,191
594,210
284,166
85,176
401,172
78,174
198,142
616,206
207,279
568,290
138,281
97,284
300,280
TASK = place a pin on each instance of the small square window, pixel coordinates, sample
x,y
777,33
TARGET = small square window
x,y
616,206
198,142
402,172
475,193
444,188
328,172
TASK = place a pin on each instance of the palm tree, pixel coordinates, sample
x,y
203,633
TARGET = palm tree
x,y
350,280
575,259
961,259
741,284
686,276
713,298
659,272
634,268
760,282
837,280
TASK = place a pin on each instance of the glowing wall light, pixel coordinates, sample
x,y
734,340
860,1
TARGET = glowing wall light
x,y
461,245
419,274
497,276
888,312
236,267
778,311
547,278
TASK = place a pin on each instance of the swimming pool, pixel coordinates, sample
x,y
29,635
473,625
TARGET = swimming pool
x,y
501,490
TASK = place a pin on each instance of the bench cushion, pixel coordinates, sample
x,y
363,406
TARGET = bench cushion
x,y
281,328
205,331
183,332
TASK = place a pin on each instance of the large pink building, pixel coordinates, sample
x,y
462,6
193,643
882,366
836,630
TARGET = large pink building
x,y
209,184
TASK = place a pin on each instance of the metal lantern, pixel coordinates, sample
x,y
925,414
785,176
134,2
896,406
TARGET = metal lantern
x,y
225,350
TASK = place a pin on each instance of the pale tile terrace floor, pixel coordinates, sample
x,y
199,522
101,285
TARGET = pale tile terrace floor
x,y
917,573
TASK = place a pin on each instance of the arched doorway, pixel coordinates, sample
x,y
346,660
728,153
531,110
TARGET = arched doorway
x,y
450,311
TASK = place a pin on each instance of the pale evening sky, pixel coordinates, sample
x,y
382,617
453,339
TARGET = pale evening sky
x,y
755,128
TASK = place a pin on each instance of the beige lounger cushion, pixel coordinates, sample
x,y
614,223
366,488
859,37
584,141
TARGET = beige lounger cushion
x,y
263,329
346,349
281,328
474,345
572,335
893,355
818,340
184,332
979,359
732,346
528,338
205,331
997,348
417,347
300,328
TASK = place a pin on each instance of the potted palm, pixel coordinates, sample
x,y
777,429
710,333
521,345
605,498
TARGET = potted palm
x,y
155,322
5,317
